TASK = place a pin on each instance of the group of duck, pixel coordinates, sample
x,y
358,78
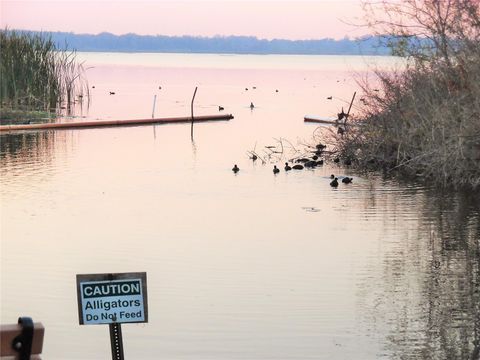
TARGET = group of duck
x,y
312,162
334,182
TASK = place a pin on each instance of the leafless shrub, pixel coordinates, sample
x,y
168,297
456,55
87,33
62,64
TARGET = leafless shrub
x,y
424,120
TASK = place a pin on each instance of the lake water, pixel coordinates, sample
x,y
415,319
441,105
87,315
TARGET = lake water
x,y
240,266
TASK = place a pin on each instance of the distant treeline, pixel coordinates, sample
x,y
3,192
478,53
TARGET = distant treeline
x,y
218,44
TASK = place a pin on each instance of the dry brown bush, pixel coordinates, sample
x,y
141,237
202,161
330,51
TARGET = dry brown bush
x,y
425,120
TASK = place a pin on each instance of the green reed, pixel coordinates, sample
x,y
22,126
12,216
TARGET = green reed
x,y
36,75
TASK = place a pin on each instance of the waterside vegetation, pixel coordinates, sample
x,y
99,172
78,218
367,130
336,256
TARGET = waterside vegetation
x,y
425,120
37,80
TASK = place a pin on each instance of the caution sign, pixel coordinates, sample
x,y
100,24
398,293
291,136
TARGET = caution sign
x,y
112,298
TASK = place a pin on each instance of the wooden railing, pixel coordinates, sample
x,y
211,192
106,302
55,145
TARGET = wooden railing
x,y
21,341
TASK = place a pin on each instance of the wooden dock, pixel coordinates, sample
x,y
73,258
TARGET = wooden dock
x,y
108,123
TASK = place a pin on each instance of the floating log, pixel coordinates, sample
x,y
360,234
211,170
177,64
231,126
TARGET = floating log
x,y
106,123
322,120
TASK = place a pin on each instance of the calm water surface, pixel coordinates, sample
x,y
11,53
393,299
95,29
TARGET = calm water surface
x,y
245,266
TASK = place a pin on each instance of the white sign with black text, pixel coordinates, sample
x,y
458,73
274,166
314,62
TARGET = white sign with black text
x,y
110,298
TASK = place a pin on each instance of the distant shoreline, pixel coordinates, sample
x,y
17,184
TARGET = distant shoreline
x,y
237,45
226,54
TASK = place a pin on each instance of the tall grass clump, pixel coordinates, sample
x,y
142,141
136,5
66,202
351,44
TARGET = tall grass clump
x,y
424,121
35,75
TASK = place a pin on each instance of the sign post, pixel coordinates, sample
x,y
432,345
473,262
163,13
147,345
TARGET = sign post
x,y
116,341
112,299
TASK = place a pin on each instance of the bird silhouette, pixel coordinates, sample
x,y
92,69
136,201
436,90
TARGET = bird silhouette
x,y
287,167
275,169
334,183
235,168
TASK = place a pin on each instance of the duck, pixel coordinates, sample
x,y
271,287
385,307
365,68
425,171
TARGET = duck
x,y
329,98
220,108
334,182
235,169
287,167
112,93
347,180
310,164
297,167
319,162
275,169
251,105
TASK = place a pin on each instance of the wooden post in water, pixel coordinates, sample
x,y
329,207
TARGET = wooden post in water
x,y
193,98
350,107
153,110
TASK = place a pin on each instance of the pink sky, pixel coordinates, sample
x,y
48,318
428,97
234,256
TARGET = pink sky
x,y
267,19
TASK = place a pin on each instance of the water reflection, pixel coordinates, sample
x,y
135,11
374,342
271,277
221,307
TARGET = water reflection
x,y
36,148
31,144
427,296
